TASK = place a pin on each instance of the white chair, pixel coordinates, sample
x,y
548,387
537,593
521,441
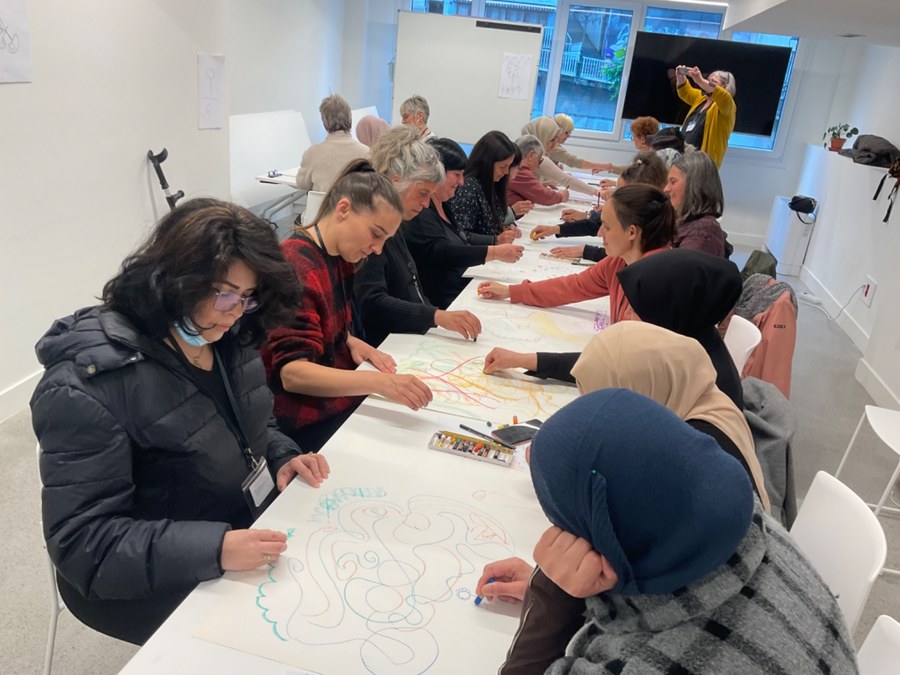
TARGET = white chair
x,y
880,653
886,425
843,540
57,606
741,339
313,202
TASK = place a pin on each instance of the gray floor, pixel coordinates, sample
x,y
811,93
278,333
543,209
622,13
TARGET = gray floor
x,y
827,398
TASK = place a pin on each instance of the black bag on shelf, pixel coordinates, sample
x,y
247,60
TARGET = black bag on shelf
x,y
893,172
803,204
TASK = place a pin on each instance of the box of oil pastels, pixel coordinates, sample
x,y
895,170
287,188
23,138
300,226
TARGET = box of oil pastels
x,y
469,446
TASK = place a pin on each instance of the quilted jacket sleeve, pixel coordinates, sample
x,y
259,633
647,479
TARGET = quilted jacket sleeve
x,y
92,538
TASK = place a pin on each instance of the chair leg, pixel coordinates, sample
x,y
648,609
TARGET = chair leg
x,y
888,490
852,441
55,610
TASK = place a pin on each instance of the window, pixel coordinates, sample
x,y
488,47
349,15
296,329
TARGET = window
x,y
585,52
593,60
766,142
683,22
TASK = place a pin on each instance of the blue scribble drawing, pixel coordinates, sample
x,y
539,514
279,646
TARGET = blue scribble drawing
x,y
8,41
463,593
373,577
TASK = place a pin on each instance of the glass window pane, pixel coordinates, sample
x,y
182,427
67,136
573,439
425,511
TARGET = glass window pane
x,y
593,58
767,142
452,7
523,11
683,22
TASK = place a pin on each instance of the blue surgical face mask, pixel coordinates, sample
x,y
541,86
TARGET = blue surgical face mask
x,y
188,332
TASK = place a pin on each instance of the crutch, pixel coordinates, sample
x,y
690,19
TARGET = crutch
x,y
156,161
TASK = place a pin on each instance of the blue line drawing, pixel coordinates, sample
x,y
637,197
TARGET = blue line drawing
x,y
374,575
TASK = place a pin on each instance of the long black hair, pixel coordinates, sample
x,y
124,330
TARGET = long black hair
x,y
494,146
189,250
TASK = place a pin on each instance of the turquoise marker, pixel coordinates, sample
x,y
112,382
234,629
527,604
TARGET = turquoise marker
x,y
478,598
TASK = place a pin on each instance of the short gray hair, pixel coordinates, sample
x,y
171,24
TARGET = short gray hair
x,y
415,104
529,143
727,81
703,194
335,112
400,152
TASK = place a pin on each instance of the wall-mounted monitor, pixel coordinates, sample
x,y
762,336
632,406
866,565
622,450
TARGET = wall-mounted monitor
x,y
759,73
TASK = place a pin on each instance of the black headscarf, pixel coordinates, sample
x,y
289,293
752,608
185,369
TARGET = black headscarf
x,y
689,293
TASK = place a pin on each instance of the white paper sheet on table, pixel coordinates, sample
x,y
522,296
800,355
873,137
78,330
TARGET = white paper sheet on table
x,y
454,371
381,567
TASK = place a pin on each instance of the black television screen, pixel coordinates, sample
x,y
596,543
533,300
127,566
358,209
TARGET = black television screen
x,y
759,72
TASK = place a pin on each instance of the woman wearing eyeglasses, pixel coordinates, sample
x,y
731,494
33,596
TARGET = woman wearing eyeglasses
x,y
158,446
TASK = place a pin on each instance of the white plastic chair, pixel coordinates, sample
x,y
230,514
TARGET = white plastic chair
x,y
843,540
880,653
741,338
57,606
886,425
313,202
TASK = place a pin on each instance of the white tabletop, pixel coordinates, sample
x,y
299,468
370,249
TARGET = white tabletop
x,y
341,555
285,177
254,622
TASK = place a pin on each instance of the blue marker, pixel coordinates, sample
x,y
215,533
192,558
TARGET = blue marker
x,y
479,598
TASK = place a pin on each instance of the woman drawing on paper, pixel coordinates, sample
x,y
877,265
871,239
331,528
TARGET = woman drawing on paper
x,y
153,418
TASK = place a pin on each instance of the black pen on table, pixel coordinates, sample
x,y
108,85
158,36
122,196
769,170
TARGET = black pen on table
x,y
486,437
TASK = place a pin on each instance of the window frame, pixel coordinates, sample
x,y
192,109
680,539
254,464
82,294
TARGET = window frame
x,y
615,139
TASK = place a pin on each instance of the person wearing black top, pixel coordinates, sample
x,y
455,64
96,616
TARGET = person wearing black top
x,y
388,296
441,251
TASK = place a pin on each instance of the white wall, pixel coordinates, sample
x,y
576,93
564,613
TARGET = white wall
x,y
852,242
112,80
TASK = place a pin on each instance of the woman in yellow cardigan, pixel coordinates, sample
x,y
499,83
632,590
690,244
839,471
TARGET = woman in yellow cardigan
x,y
710,120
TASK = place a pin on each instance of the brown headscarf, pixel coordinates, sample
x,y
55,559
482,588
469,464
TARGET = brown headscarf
x,y
672,370
369,128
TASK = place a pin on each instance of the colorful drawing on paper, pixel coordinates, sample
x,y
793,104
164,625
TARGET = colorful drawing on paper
x,y
524,329
368,584
455,373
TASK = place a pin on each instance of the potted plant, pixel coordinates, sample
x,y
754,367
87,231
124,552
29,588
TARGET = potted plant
x,y
838,135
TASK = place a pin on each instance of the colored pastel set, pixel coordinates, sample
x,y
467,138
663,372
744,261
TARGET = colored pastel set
x,y
469,446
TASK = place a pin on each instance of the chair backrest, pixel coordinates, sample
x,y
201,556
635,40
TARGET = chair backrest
x,y
880,653
741,339
843,540
313,202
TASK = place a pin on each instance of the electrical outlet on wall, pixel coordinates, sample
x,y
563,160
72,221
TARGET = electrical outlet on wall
x,y
869,291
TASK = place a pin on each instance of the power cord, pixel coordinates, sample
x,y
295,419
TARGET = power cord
x,y
813,301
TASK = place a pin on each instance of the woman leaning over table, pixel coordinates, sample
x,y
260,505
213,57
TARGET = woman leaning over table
x,y
562,156
636,222
389,295
152,413
695,190
549,134
311,358
479,205
441,253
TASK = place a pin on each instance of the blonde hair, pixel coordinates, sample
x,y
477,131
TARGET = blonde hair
x,y
565,122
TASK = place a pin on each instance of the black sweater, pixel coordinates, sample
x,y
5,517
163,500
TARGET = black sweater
x,y
388,295
441,254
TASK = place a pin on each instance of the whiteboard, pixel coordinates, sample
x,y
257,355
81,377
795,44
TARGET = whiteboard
x,y
456,63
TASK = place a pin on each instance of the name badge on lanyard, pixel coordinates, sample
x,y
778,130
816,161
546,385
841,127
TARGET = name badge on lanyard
x,y
258,488
691,125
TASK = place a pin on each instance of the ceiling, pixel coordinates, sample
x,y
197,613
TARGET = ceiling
x,y
878,21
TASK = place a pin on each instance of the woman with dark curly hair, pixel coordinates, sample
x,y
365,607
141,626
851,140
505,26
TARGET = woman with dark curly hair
x,y
158,446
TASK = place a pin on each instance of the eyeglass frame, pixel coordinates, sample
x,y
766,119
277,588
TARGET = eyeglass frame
x,y
249,303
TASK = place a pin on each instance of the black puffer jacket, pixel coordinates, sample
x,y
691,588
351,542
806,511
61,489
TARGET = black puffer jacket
x,y
142,474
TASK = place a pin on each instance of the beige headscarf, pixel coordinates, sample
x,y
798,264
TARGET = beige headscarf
x,y
673,370
545,128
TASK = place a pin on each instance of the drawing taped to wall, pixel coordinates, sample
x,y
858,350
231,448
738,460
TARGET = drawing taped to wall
x,y
15,42
369,583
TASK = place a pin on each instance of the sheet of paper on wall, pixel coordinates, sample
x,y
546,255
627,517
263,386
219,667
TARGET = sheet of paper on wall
x,y
515,75
210,91
15,42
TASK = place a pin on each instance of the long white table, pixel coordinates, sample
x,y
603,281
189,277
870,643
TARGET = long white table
x,y
382,561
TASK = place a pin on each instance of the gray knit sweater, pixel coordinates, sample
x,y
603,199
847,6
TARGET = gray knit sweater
x,y
765,611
